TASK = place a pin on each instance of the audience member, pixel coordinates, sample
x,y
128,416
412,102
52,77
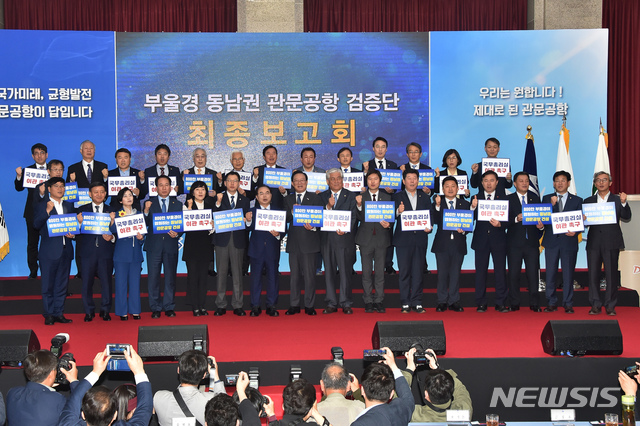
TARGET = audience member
x,y
335,383
222,410
299,405
126,401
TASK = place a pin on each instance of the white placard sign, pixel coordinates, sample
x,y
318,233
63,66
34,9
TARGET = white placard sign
x,y
130,226
336,220
463,183
499,165
33,177
153,192
415,220
353,182
245,180
459,416
493,209
270,220
197,220
571,221
116,183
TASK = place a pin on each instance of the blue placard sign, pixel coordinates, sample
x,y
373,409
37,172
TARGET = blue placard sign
x,y
63,224
452,220
228,220
599,213
390,178
190,179
307,214
165,222
427,178
95,223
532,213
316,182
275,178
375,211
70,192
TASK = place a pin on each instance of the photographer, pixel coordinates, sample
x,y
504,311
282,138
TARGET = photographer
x,y
222,410
97,405
335,383
299,405
193,366
629,384
40,368
442,390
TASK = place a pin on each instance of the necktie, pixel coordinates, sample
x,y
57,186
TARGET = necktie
x,y
489,197
299,199
414,167
560,205
199,171
97,241
41,167
524,200
233,203
164,205
380,164
451,205
89,173
97,209
335,199
161,171
346,170
374,197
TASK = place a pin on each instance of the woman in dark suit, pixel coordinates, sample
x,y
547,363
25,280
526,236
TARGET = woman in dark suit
x,y
198,251
127,262
450,162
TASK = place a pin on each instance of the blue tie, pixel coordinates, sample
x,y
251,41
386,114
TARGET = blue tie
x,y
164,205
233,203
451,205
89,173
299,199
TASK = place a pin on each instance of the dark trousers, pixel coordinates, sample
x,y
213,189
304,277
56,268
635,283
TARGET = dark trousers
x,y
55,281
449,264
338,259
568,258
369,255
127,277
303,274
595,258
271,276
225,257
499,256
103,268
33,237
531,257
197,276
155,261
411,270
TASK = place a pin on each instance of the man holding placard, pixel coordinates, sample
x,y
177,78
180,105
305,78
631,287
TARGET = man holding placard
x,y
604,243
339,247
411,242
414,153
449,246
490,239
561,247
492,148
200,168
96,250
162,168
56,253
523,244
124,170
373,237
162,250
270,155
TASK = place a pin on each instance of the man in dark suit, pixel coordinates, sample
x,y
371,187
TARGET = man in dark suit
x,y
124,169
411,245
56,253
40,155
97,257
230,247
561,247
604,243
377,384
345,156
264,247
200,168
489,238
88,170
338,248
162,168
373,238
270,155
237,165
303,243
162,250
36,403
40,193
414,153
450,247
523,244
308,160
492,148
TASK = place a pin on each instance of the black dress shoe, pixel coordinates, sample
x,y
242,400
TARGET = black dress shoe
x,y
503,308
255,311
389,270
419,309
611,312
105,316
441,307
329,310
515,308
204,312
405,309
33,276
293,310
310,311
272,312
48,321
569,310
196,312
481,308
551,308
124,318
136,317
595,311
62,320
170,313
379,308
155,314
456,307
535,308
347,310
219,312
368,308
89,317
239,312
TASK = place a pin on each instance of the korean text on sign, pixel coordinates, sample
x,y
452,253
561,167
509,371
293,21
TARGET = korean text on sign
x,y
390,178
499,165
130,226
33,177
116,183
532,213
375,211
463,183
336,220
70,192
95,223
493,209
426,178
353,182
197,220
415,220
63,224
316,182
270,220
564,222
165,222
307,214
599,213
452,220
275,178
228,221
190,179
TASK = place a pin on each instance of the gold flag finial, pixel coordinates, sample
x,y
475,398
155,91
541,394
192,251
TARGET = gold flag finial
x,y
529,135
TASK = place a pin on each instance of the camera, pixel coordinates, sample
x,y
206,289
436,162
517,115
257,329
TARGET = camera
x,y
422,356
116,351
373,354
64,362
631,371
211,364
231,379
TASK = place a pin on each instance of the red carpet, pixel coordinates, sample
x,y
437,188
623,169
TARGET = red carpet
x,y
301,337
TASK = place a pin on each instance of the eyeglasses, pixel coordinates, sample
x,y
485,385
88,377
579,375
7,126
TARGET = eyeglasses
x,y
232,181
414,152
603,180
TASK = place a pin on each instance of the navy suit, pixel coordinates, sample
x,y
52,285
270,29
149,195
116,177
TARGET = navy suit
x,y
230,248
56,254
302,246
127,261
264,252
81,173
144,188
277,199
412,250
604,243
34,404
32,233
152,173
560,247
97,259
489,240
398,412
162,250
450,247
249,193
339,251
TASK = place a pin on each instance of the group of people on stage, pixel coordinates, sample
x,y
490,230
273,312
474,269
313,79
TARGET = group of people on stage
x,y
508,242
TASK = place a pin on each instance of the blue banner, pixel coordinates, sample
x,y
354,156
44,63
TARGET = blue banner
x,y
228,220
275,178
70,192
83,197
190,179
165,222
63,224
390,178
427,178
316,182
452,220
532,213
375,211
95,223
599,213
307,214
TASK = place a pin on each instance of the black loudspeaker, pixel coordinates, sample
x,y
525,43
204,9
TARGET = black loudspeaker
x,y
582,337
400,335
15,345
169,342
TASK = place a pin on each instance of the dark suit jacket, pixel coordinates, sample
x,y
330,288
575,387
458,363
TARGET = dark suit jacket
x,y
519,235
144,188
239,237
401,237
395,413
364,236
300,240
127,249
476,180
52,248
390,164
197,244
445,172
571,203
152,173
161,241
443,239
34,404
261,243
71,413
484,232
81,173
277,199
421,166
94,246
19,185
346,202
249,193
608,236
208,171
